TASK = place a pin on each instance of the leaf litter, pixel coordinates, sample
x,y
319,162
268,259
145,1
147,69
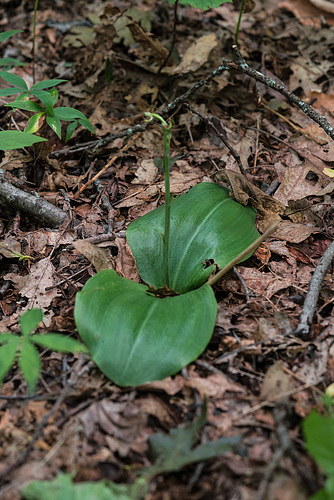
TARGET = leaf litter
x,y
253,360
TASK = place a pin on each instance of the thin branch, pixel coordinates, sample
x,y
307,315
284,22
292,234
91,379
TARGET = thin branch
x,y
241,66
31,205
312,296
221,136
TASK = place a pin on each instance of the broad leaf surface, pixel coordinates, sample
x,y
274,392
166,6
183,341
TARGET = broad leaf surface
x,y
205,224
319,434
13,139
135,337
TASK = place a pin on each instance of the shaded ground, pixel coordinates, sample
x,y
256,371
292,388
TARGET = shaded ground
x,y
257,375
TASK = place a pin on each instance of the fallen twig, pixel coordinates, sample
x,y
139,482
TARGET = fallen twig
x,y
210,123
312,296
31,205
239,65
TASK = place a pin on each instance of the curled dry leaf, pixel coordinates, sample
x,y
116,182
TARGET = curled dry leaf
x,y
99,257
247,194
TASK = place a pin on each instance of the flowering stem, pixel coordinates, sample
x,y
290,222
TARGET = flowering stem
x,y
167,130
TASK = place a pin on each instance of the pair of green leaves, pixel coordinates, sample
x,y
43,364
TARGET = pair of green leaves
x,y
22,348
48,97
135,336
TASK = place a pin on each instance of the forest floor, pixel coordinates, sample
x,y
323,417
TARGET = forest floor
x,y
258,376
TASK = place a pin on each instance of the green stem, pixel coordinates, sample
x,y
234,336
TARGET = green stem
x,y
167,139
239,22
167,129
243,254
34,42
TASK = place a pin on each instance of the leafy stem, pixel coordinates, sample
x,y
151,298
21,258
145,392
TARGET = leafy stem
x,y
167,130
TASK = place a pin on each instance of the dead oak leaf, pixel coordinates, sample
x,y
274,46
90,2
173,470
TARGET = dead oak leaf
x,y
247,194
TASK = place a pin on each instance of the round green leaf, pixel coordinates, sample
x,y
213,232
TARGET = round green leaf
x,y
135,337
207,228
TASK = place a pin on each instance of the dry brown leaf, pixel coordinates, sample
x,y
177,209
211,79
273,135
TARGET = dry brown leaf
x,y
146,172
307,14
169,385
38,286
125,261
213,386
9,247
247,194
99,257
196,55
294,233
276,383
122,422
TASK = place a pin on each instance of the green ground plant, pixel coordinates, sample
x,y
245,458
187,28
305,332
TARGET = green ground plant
x,y
22,348
137,333
43,111
319,434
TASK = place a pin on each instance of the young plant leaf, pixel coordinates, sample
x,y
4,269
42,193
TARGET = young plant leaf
x,y
34,123
55,124
15,80
10,61
319,434
86,123
46,84
8,355
70,129
174,451
30,363
45,97
26,105
63,488
13,139
206,227
68,114
135,337
9,91
60,343
29,321
202,4
7,34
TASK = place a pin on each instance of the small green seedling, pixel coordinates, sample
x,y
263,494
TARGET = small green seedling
x,y
22,348
45,110
137,333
